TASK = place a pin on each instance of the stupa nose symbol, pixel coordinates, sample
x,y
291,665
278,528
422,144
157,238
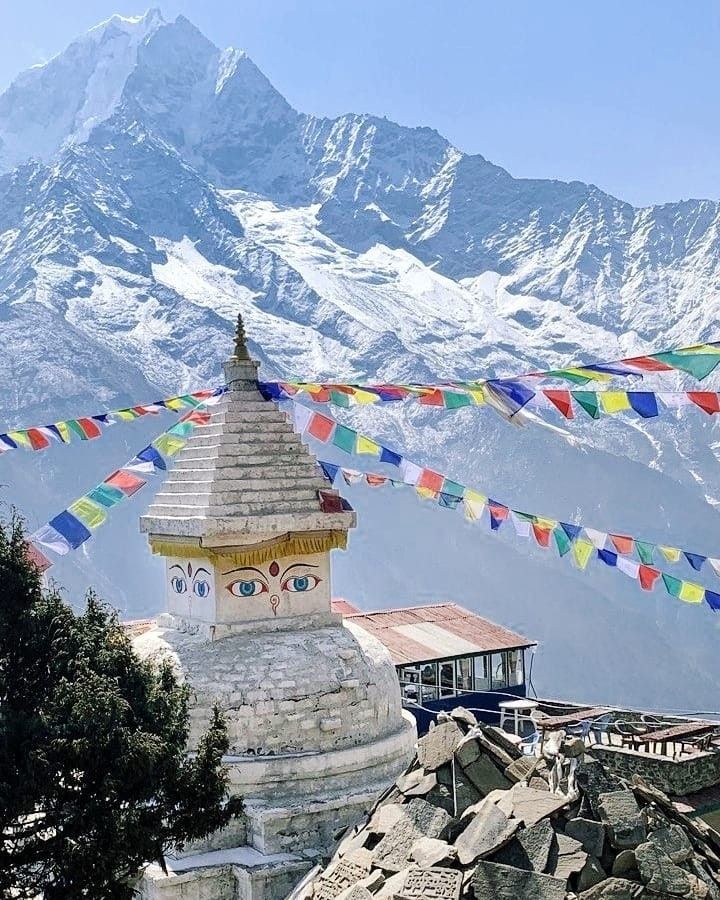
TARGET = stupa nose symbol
x,y
274,603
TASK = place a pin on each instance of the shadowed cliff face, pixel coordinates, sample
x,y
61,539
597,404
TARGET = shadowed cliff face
x,y
154,186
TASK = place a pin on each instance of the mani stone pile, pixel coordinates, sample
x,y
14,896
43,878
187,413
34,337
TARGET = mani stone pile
x,y
474,818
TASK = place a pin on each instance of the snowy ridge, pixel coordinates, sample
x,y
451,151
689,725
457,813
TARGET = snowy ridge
x,y
173,186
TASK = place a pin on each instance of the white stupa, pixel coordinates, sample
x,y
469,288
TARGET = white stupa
x,y
246,524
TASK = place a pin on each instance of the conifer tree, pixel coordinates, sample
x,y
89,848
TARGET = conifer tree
x,y
94,777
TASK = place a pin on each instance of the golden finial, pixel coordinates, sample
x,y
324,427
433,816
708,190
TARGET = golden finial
x,y
241,351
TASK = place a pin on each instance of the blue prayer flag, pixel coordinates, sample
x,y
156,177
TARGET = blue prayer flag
x,y
387,456
644,403
608,557
695,559
150,454
713,600
449,501
330,470
71,528
572,531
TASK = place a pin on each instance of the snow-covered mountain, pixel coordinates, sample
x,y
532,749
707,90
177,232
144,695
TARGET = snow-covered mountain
x,y
152,186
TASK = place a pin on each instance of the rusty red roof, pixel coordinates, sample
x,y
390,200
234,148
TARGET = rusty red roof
x,y
422,633
343,606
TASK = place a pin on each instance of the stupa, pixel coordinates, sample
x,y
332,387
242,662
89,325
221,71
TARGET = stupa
x,y
246,524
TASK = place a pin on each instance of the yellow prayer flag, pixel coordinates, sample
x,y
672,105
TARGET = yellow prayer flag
x,y
362,398
474,505
127,415
174,403
548,524
169,444
582,551
671,554
365,445
691,593
20,437
89,512
589,373
476,497
62,427
613,401
426,493
478,395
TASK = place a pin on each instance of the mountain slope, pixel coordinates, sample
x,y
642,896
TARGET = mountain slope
x,y
174,186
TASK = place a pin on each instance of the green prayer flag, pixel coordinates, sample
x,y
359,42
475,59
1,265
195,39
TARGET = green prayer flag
x,y
453,400
672,585
645,551
106,495
453,488
189,400
588,401
699,365
344,438
338,398
570,376
562,541
75,426
182,429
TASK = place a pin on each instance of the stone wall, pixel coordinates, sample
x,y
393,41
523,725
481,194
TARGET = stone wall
x,y
672,776
310,691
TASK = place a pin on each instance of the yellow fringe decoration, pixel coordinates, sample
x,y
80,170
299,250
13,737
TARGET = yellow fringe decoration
x,y
290,544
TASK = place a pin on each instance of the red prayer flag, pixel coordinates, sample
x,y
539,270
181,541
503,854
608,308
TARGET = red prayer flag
x,y
433,398
321,427
431,480
330,502
198,416
622,543
706,400
375,480
562,400
648,576
37,556
648,364
90,428
37,439
542,535
125,481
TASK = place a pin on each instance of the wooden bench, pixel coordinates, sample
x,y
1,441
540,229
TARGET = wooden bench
x,y
674,734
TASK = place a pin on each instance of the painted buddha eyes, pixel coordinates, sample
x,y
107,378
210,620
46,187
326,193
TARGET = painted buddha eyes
x,y
200,585
201,588
298,584
247,587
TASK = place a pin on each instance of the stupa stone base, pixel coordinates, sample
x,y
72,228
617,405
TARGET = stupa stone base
x,y
241,873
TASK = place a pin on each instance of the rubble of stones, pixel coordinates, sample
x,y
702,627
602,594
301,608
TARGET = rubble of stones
x,y
473,817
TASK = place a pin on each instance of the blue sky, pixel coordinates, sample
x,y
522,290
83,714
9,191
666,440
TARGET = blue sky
x,y
621,94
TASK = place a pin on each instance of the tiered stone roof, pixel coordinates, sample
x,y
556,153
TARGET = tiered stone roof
x,y
245,476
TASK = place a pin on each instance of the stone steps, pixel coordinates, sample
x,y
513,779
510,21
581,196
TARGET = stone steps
x,y
173,509
213,499
244,441
269,426
270,483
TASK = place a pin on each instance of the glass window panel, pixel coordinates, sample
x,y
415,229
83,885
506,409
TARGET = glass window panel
x,y
499,671
447,679
464,673
409,677
516,675
481,666
428,677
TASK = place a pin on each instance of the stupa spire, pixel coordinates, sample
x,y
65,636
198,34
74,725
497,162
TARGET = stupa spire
x,y
241,350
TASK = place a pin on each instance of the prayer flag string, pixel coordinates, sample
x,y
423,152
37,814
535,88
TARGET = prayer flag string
x,y
84,428
633,556
74,526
